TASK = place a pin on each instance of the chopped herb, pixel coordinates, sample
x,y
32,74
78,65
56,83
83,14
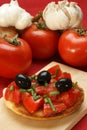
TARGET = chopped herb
x,y
56,72
44,96
75,85
11,88
36,97
54,93
23,90
46,84
31,90
33,77
48,100
33,87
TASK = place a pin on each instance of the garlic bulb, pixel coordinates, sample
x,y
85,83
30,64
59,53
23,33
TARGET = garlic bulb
x,y
63,15
13,15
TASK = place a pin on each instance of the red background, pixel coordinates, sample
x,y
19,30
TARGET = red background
x,y
33,6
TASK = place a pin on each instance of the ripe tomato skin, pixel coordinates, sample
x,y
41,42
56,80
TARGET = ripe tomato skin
x,y
14,59
73,48
43,42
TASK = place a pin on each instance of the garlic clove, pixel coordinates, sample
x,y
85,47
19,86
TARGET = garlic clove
x,y
75,13
23,20
3,16
13,11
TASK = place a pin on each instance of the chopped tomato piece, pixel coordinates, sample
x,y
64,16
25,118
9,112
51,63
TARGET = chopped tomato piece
x,y
8,95
59,107
41,90
74,95
12,93
65,98
65,75
24,94
16,96
70,97
55,71
32,105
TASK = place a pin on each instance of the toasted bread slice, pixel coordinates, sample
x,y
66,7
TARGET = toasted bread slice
x,y
20,110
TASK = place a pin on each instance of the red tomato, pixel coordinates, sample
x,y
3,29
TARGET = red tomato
x,y
72,48
14,59
32,105
43,42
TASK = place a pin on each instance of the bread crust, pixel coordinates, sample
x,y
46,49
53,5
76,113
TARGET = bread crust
x,y
20,110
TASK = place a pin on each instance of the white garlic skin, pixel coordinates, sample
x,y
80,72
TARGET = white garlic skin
x,y
13,15
63,15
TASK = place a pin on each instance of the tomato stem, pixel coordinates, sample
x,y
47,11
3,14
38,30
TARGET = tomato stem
x,y
38,20
41,25
81,32
13,40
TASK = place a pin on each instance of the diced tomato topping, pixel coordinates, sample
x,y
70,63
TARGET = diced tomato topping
x,y
32,105
55,71
12,93
65,98
74,95
41,90
8,95
70,97
51,90
24,94
65,75
60,101
16,96
59,107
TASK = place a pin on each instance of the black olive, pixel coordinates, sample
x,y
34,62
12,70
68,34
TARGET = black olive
x,y
43,77
63,84
23,81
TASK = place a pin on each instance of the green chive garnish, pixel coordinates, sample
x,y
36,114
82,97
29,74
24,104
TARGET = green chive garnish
x,y
54,93
48,100
36,97
75,85
11,88
23,90
56,72
46,84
